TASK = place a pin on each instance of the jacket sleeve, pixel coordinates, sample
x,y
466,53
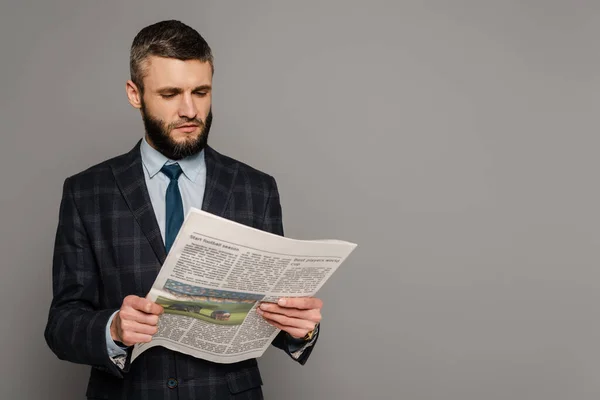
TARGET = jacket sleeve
x,y
273,223
76,326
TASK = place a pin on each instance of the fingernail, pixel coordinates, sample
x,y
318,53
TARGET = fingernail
x,y
281,302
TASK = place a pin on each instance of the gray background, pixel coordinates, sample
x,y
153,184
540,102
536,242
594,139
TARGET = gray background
x,y
455,142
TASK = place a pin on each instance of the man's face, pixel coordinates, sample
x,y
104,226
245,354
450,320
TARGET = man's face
x,y
175,105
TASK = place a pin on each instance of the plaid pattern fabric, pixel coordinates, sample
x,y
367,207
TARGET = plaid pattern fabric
x,y
108,245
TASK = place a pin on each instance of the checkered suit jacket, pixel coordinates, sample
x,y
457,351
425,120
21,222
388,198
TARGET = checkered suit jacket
x,y
108,245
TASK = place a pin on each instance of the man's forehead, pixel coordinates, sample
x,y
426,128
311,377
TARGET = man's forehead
x,y
162,71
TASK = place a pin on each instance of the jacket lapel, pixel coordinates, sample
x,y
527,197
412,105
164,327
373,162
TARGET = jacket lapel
x,y
129,175
220,179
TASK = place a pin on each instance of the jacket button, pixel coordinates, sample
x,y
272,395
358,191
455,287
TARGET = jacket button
x,y
172,383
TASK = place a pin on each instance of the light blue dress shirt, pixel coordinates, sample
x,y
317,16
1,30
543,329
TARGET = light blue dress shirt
x,y
191,185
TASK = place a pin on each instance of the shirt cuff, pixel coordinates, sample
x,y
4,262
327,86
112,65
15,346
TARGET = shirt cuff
x,y
114,350
297,346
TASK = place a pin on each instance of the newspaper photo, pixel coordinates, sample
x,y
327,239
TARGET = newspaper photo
x,y
217,273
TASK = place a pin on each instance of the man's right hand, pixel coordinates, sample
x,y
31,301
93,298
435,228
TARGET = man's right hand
x,y
136,321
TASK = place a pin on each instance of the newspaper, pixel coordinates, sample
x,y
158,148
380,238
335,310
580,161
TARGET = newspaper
x,y
216,274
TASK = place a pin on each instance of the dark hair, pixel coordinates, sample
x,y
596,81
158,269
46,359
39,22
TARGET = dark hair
x,y
171,39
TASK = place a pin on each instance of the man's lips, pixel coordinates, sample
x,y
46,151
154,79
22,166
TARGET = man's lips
x,y
187,128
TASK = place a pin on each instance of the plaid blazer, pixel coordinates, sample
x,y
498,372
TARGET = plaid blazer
x,y
108,245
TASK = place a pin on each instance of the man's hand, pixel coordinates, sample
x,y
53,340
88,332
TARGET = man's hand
x,y
296,316
136,321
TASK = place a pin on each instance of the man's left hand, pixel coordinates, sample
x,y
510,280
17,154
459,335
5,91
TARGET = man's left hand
x,y
296,316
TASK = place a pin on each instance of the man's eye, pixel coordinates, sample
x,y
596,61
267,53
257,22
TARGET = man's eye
x,y
201,94
167,96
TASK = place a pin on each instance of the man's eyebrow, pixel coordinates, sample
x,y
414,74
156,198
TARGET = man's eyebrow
x,y
169,89
203,88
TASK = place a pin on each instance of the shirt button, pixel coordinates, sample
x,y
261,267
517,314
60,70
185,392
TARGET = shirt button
x,y
172,383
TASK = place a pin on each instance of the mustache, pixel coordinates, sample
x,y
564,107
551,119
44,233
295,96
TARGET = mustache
x,y
185,121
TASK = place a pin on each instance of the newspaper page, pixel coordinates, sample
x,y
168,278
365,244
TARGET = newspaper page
x,y
217,273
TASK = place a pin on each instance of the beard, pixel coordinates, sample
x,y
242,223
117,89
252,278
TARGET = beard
x,y
160,134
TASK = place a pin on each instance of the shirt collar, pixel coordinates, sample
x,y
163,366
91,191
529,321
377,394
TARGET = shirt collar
x,y
154,160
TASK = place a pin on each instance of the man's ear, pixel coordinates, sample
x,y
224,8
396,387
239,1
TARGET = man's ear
x,y
134,94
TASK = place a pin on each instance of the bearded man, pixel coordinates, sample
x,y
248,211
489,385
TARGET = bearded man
x,y
118,220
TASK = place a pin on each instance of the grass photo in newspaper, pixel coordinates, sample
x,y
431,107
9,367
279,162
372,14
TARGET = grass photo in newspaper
x,y
211,305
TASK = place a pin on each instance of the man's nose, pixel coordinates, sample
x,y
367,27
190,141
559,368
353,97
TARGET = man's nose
x,y
187,108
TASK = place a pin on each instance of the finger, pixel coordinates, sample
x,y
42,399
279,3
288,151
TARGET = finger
x,y
131,338
302,303
136,327
294,332
145,305
130,314
312,315
287,321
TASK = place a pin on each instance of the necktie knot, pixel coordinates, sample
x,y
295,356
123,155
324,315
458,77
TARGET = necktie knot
x,y
172,171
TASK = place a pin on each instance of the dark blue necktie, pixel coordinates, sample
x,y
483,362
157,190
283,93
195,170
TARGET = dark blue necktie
x,y
174,204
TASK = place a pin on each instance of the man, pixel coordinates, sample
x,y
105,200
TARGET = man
x,y
117,222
